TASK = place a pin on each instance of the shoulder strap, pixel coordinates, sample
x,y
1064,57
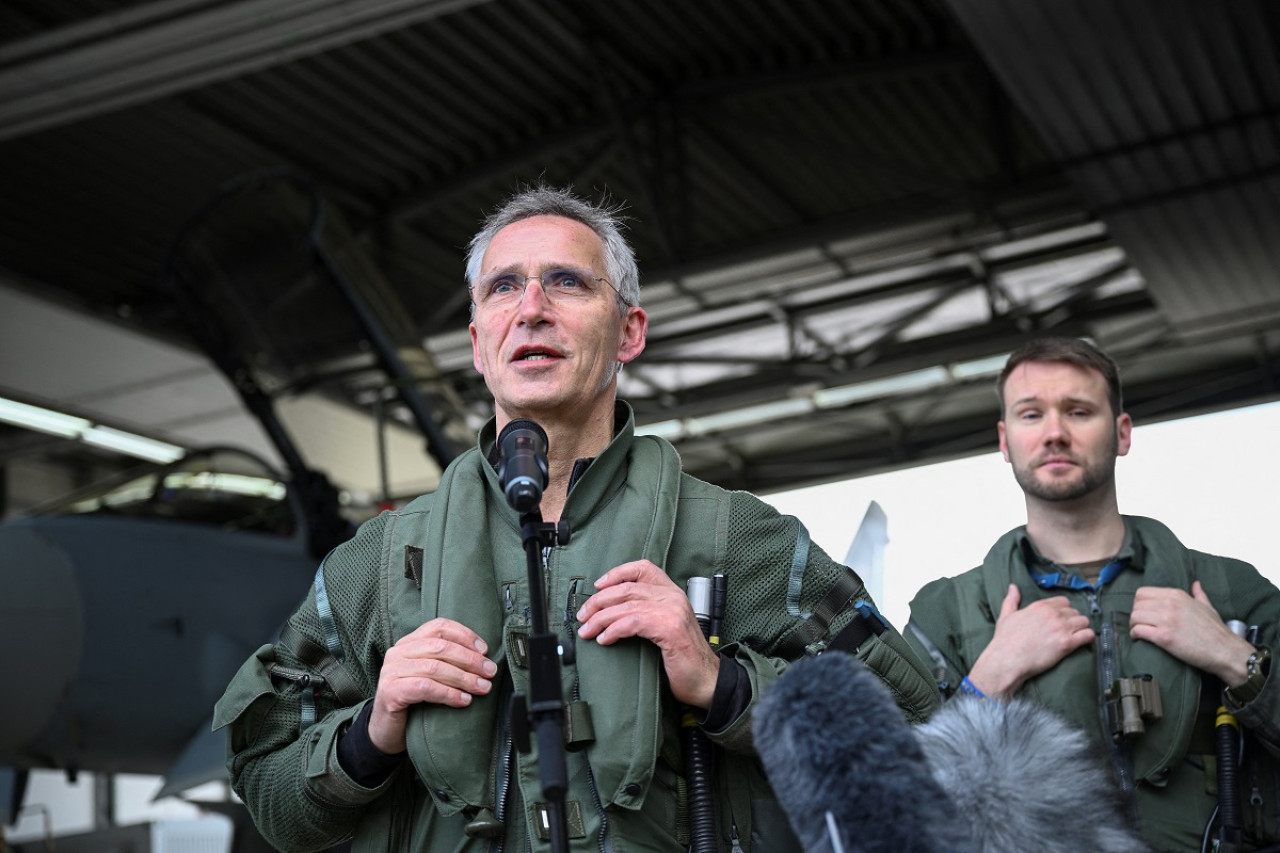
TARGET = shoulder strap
x,y
838,598
326,659
799,561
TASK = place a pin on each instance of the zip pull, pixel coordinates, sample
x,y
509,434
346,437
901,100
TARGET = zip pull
x,y
307,716
735,846
569,643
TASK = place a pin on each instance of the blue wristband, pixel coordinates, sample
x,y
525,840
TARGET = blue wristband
x,y
967,686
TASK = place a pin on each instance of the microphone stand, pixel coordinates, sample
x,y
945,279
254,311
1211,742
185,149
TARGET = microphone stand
x,y
543,713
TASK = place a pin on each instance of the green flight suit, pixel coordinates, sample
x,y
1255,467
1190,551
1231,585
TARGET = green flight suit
x,y
457,553
1171,764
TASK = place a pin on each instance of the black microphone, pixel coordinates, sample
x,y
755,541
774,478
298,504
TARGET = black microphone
x,y
522,464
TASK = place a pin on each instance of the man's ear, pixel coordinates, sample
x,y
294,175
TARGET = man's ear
x,y
1124,434
635,326
475,349
1004,445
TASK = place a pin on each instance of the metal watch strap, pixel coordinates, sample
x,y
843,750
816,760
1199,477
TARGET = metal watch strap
x,y
1258,666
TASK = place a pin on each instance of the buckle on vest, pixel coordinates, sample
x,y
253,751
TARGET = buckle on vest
x,y
518,648
1130,701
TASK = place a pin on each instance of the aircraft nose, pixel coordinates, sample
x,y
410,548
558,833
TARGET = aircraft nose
x,y
40,632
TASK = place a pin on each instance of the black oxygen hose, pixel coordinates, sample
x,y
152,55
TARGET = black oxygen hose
x,y
708,601
1229,744
698,773
1227,734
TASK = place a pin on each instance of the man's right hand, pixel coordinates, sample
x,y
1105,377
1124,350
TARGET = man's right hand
x,y
1028,642
441,662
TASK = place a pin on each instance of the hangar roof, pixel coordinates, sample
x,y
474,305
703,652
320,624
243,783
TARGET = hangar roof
x,y
845,213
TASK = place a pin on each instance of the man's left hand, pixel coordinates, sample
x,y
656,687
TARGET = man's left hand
x,y
1189,628
638,600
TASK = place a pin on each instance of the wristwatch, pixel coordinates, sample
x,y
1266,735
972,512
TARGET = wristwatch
x,y
1259,664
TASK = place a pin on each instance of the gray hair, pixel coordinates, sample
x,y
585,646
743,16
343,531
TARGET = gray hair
x,y
602,218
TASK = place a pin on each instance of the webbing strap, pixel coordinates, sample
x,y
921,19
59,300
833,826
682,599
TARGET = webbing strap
x,y
836,600
307,717
327,625
799,559
314,655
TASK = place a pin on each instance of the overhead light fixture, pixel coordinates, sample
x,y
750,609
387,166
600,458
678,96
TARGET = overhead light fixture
x,y
133,445
732,419
827,398
750,415
70,426
43,420
917,380
979,367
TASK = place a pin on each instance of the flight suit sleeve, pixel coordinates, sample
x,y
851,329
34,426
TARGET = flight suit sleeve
x,y
930,632
283,718
779,583
1239,591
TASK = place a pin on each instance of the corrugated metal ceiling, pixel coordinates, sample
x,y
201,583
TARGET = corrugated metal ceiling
x,y
824,194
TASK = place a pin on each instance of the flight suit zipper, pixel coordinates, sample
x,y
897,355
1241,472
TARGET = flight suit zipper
x,y
1108,672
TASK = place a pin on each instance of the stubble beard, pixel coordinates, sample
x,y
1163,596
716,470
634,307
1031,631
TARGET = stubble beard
x,y
1088,478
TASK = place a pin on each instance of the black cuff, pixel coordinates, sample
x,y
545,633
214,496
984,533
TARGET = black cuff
x,y
731,697
364,762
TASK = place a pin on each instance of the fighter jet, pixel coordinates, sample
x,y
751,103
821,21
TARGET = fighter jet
x,y
128,607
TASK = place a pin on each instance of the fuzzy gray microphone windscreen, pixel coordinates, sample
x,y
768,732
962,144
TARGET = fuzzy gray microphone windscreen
x,y
995,777
832,740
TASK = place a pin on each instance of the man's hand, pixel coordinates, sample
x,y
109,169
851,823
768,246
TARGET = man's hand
x,y
1028,642
441,662
1189,628
639,600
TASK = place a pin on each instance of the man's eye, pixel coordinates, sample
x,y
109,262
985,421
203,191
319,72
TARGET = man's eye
x,y
502,285
566,281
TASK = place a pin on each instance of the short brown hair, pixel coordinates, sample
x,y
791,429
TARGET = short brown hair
x,y
1075,351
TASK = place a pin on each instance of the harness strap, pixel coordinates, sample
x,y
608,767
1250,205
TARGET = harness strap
x,y
799,560
836,601
327,624
330,668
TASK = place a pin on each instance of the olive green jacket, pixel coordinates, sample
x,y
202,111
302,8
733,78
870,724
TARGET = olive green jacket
x,y
1171,763
457,553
